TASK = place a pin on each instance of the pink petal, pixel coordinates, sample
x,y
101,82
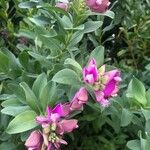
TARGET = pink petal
x,y
42,119
69,125
54,117
63,6
99,2
100,98
82,95
109,88
99,6
75,105
50,146
85,72
90,3
112,74
58,109
105,103
92,62
57,146
66,109
59,129
90,73
49,111
99,95
63,141
34,140
117,79
90,79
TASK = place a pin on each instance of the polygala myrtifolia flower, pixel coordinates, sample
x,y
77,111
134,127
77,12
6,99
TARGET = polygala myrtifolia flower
x,y
62,5
54,127
105,84
90,73
80,98
34,141
99,6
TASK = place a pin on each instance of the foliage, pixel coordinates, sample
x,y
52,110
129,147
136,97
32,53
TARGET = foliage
x,y
43,50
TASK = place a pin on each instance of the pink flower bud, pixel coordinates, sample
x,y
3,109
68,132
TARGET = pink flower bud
x,y
62,5
66,126
99,6
90,73
80,98
34,141
66,109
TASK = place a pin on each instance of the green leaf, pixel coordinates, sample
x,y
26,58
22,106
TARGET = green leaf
x,y
126,117
91,26
23,122
4,63
66,76
26,33
52,44
48,95
30,97
13,61
146,113
109,14
14,110
18,91
40,20
136,90
11,102
39,84
98,54
134,145
28,4
7,145
24,59
148,96
75,65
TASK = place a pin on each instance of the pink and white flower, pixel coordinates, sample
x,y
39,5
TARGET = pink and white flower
x,y
99,6
54,126
90,73
53,115
110,87
105,84
34,141
80,98
62,5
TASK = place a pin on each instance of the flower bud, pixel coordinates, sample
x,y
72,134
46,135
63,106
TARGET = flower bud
x,y
62,5
99,6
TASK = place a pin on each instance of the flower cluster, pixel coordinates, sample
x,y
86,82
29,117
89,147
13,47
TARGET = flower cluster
x,y
105,84
55,125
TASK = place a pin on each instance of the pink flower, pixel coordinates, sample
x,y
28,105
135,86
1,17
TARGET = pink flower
x,y
66,126
53,115
110,87
62,5
54,126
66,109
90,73
99,6
80,98
34,141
